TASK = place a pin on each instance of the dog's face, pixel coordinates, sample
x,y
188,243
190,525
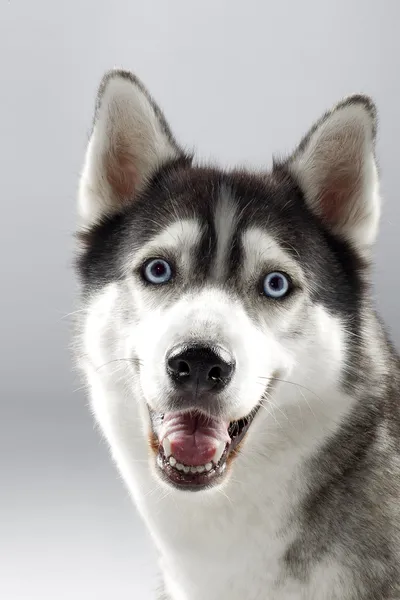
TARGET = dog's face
x,y
211,287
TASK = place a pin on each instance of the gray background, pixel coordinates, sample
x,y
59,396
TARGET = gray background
x,y
238,81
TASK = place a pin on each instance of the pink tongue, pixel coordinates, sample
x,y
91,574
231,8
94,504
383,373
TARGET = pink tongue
x,y
193,438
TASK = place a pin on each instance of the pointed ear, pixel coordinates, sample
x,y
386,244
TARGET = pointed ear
x,y
335,167
130,141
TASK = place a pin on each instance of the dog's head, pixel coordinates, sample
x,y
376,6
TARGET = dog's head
x,y
210,287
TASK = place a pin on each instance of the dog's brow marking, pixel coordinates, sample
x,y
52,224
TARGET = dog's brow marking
x,y
260,247
225,221
180,237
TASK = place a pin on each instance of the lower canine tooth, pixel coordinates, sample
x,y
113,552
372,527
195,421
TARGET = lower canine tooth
x,y
208,466
167,448
172,461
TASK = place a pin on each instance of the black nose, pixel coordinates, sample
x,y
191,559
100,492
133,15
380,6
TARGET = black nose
x,y
200,368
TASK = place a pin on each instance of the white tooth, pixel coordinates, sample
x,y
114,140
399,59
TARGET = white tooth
x,y
208,466
179,466
186,469
159,461
172,461
167,448
201,469
193,469
219,452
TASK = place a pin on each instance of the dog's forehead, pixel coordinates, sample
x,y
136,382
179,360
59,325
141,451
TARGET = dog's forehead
x,y
256,242
227,198
221,216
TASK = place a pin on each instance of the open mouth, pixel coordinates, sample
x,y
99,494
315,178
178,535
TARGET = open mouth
x,y
194,449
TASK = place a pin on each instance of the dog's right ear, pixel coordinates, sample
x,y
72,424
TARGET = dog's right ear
x,y
130,141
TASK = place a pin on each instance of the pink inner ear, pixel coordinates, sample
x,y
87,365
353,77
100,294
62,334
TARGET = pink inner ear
x,y
339,195
122,175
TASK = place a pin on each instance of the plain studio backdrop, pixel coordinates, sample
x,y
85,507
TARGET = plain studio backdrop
x,y
238,81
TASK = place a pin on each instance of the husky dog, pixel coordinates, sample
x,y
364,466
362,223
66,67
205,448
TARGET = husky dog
x,y
247,389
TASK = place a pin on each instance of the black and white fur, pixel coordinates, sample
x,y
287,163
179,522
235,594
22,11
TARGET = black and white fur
x,y
310,507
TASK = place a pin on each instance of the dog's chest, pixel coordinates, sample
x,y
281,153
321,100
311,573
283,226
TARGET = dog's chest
x,y
223,568
233,553
245,565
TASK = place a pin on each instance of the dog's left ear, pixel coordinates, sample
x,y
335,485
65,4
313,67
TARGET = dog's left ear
x,y
130,141
335,168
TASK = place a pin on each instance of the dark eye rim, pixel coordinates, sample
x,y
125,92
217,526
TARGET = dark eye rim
x,y
142,271
290,289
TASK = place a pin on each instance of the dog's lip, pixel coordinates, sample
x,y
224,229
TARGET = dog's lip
x,y
190,481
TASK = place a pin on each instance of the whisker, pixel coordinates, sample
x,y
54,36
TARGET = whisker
x,y
269,413
130,360
274,405
78,389
299,385
271,403
225,496
308,404
74,312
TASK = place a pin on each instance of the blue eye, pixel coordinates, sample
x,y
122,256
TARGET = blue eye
x,y
157,271
276,285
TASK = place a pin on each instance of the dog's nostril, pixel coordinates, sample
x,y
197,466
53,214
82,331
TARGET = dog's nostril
x,y
183,369
178,367
215,374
